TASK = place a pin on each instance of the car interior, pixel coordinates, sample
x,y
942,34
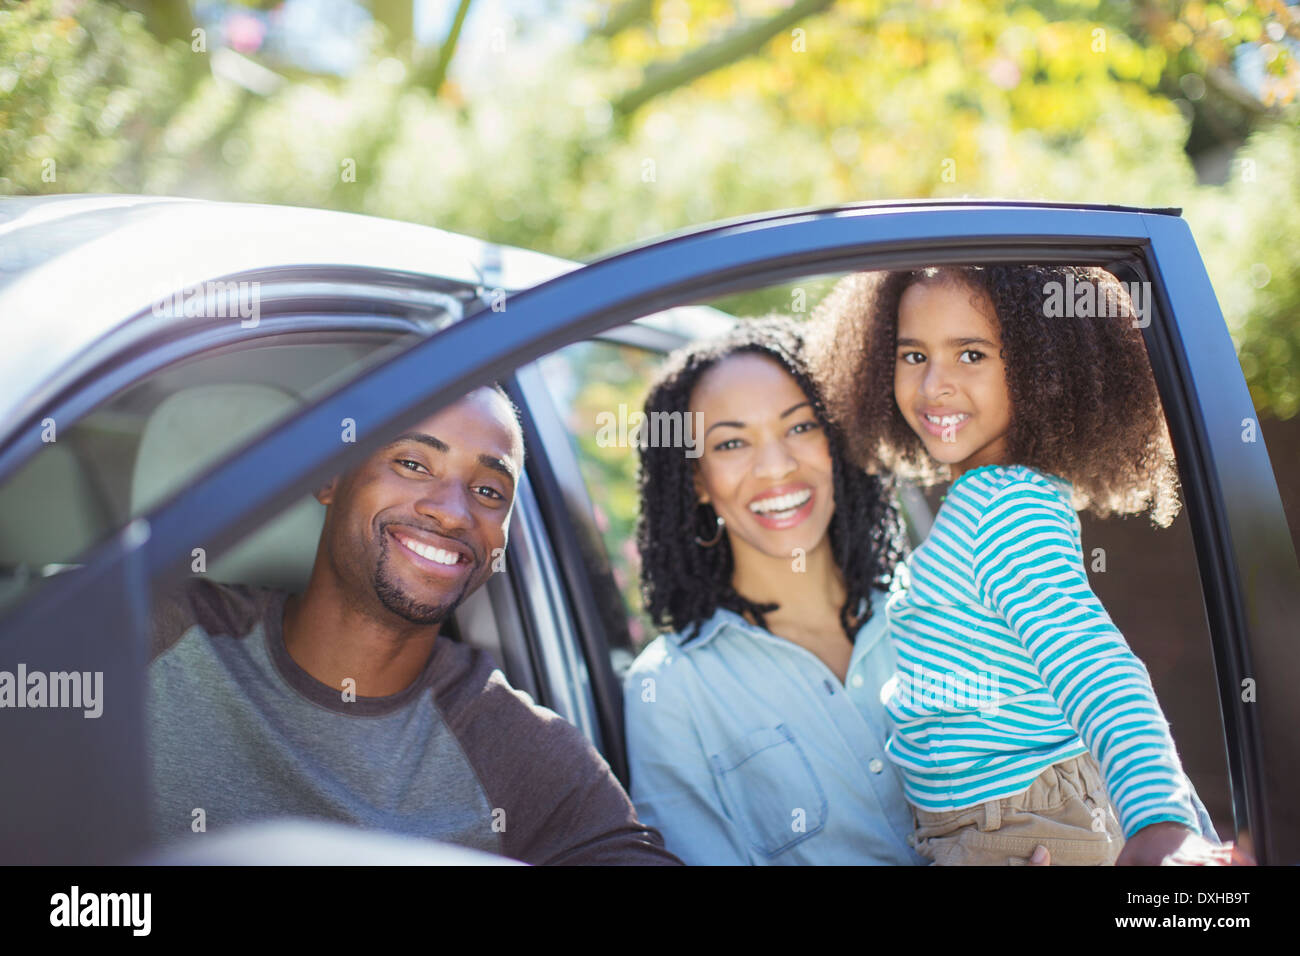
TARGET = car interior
x,y
131,454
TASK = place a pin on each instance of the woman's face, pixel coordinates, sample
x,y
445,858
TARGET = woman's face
x,y
949,380
765,464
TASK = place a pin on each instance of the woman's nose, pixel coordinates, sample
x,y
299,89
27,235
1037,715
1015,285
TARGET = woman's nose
x,y
774,461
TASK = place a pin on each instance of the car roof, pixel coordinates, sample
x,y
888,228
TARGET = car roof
x,y
99,262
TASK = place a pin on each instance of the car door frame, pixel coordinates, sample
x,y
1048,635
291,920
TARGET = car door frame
x,y
566,506
1236,513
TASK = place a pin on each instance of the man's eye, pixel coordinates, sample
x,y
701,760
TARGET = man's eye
x,y
491,492
912,358
975,352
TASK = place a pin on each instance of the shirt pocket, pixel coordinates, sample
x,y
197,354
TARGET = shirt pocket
x,y
769,788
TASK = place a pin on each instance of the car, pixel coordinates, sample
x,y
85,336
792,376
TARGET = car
x,y
177,374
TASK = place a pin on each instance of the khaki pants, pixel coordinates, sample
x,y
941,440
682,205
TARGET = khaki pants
x,y
1065,809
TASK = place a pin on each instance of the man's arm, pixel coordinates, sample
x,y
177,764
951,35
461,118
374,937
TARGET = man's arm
x,y
552,797
571,808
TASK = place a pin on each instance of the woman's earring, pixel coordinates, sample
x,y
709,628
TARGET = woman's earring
x,y
716,538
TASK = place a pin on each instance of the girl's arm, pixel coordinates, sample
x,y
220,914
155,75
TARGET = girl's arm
x,y
1028,568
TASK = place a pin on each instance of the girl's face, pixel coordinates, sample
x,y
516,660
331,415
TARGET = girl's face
x,y
765,463
949,380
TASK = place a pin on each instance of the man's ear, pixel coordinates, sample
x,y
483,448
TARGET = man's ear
x,y
325,493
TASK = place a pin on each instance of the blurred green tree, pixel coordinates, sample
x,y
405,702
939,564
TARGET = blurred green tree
x,y
1077,100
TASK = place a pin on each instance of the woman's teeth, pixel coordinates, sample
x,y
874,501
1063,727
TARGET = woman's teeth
x,y
430,552
781,506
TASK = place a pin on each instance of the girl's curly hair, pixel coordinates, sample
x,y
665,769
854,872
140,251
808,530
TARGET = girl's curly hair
x,y
682,583
1084,404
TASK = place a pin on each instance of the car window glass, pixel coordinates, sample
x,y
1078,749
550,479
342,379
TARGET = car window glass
x,y
588,380
1146,577
146,442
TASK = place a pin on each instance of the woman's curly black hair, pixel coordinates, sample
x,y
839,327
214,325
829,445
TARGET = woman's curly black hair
x,y
1084,404
682,583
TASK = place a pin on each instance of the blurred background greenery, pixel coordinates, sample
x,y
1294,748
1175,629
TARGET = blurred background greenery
x,y
576,127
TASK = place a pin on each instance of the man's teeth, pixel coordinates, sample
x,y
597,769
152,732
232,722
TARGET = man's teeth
x,y
782,503
947,419
430,552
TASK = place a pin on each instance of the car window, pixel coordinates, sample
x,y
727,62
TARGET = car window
x,y
1146,577
92,477
590,381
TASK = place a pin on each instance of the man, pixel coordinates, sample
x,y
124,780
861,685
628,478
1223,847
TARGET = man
x,y
345,703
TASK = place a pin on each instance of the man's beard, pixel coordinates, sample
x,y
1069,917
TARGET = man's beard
x,y
402,604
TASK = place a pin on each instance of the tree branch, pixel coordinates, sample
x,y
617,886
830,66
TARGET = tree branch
x,y
660,78
629,13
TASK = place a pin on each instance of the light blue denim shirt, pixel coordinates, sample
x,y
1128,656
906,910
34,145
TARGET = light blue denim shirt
x,y
745,748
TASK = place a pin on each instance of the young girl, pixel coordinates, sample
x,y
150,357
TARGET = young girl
x,y
1011,676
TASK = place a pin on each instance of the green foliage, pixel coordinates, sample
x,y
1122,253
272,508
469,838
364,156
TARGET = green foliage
x,y
1249,234
81,99
873,99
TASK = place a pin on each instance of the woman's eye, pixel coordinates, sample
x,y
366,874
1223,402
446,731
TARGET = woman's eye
x,y
803,427
404,462
912,358
978,355
727,445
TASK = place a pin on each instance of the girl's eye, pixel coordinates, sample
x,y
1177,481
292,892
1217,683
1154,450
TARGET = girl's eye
x,y
912,358
727,445
975,352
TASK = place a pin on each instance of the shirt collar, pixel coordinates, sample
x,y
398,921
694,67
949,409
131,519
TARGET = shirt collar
x,y
724,618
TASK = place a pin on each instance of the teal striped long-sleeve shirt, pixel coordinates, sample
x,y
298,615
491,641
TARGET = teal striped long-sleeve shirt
x,y
1008,663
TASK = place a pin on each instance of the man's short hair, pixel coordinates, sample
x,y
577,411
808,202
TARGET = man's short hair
x,y
519,421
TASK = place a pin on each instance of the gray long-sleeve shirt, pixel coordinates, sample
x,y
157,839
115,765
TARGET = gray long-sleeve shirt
x,y
239,732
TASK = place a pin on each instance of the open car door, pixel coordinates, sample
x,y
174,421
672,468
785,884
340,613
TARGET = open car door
x,y
78,788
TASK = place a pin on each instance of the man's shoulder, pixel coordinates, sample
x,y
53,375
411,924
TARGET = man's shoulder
x,y
480,705
230,610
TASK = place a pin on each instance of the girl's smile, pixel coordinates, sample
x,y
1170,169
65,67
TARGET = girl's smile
x,y
949,379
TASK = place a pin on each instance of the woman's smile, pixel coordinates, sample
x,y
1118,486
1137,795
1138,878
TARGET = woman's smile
x,y
784,506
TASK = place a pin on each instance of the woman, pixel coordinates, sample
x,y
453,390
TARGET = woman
x,y
755,728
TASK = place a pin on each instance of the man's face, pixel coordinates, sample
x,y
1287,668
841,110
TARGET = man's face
x,y
416,528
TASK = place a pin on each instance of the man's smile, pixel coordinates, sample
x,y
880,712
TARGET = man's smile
x,y
432,552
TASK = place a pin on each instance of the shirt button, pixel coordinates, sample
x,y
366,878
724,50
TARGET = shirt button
x,y
857,680
876,766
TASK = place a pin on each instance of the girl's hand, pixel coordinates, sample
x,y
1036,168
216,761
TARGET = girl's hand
x,y
1172,844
